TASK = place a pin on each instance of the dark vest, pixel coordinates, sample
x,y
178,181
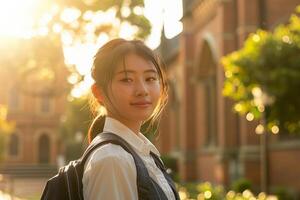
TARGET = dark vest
x,y
146,186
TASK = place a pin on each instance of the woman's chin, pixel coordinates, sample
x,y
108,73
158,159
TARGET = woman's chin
x,y
143,118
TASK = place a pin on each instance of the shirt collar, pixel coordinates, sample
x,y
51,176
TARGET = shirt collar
x,y
139,142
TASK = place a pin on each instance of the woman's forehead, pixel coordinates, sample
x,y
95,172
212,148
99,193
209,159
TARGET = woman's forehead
x,y
135,62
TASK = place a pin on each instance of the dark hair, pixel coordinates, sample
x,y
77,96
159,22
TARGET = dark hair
x,y
104,65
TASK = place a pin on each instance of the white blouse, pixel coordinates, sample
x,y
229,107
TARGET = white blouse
x,y
110,172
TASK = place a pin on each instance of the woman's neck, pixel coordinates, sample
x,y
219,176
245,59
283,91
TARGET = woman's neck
x,y
135,126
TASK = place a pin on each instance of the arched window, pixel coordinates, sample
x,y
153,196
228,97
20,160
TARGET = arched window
x,y
206,72
14,145
44,149
211,107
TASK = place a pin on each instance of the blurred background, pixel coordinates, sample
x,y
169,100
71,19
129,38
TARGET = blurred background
x,y
231,129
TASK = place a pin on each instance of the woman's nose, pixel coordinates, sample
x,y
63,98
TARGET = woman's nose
x,y
141,89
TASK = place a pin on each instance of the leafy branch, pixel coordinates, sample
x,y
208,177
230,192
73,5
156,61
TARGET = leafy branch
x,y
264,76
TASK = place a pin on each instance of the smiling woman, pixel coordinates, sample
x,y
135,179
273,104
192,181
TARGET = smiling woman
x,y
130,84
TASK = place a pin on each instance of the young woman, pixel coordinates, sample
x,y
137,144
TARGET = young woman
x,y
130,85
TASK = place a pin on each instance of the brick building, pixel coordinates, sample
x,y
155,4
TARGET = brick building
x,y
35,94
199,128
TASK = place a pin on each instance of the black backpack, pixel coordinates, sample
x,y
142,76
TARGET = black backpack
x,y
67,184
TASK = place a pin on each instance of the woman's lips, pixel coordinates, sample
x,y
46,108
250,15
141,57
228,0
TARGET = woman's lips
x,y
141,104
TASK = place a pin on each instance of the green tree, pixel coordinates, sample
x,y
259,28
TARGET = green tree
x,y
86,20
264,76
75,125
126,11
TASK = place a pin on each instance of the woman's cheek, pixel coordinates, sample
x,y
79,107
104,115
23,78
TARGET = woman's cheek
x,y
123,87
156,91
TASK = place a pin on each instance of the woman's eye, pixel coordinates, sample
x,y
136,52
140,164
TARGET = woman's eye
x,y
126,80
151,79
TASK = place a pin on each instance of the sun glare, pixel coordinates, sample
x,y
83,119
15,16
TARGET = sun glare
x,y
17,17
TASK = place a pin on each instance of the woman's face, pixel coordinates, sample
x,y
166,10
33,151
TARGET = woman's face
x,y
134,91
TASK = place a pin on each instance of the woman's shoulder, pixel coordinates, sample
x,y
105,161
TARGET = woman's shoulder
x,y
108,169
109,153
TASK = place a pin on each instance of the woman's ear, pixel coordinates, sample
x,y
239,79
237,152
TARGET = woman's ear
x,y
97,93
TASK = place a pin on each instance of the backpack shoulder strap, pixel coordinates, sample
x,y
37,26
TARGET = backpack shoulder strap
x,y
102,139
158,161
144,190
162,167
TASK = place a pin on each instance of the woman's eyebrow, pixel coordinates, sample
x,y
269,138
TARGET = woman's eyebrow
x,y
150,71
125,71
132,71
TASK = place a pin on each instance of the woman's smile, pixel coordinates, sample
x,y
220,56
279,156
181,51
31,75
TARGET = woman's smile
x,y
141,104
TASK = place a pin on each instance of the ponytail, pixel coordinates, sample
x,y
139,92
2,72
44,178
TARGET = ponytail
x,y
96,127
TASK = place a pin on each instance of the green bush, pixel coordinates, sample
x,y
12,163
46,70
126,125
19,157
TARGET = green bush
x,y
171,164
241,185
201,191
283,193
206,190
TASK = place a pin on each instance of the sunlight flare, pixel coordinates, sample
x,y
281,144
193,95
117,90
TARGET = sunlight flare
x,y
18,17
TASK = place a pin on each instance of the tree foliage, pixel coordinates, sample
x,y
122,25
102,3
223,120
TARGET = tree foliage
x,y
264,76
88,18
77,117
75,125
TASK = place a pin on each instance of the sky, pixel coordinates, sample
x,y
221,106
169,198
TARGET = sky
x,y
167,12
